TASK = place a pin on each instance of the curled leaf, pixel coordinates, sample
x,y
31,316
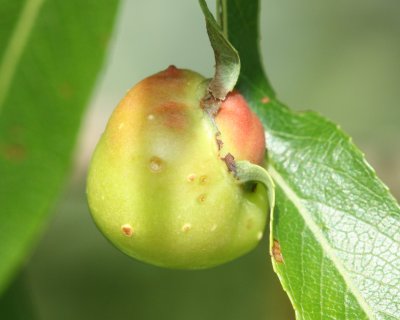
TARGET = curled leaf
x,y
227,62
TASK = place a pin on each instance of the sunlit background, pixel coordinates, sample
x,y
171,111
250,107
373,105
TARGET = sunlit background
x,y
340,58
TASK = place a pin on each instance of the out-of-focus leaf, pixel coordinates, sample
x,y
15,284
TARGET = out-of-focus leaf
x,y
335,232
17,302
50,54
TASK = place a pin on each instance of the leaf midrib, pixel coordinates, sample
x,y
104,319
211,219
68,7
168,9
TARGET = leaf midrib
x,y
16,45
329,252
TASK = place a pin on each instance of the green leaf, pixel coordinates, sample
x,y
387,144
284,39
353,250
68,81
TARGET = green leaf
x,y
335,232
227,62
50,55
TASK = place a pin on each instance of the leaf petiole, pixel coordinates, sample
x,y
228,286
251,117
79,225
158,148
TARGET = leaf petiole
x,y
246,171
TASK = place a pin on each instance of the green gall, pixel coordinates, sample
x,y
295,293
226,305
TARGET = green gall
x,y
159,186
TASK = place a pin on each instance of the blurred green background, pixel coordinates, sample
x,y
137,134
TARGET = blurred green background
x,y
340,58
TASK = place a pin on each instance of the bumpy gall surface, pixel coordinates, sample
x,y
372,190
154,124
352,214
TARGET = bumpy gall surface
x,y
157,186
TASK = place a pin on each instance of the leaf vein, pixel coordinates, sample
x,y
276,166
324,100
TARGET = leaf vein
x,y
16,46
292,196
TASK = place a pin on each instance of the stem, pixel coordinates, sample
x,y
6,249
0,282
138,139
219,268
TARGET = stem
x,y
249,172
227,61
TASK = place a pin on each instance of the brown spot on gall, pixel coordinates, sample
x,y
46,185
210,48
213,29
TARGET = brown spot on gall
x,y
202,198
127,230
203,179
276,252
186,227
172,114
155,164
220,144
191,177
230,162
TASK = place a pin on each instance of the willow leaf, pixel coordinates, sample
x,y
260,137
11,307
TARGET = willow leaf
x,y
335,231
50,54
